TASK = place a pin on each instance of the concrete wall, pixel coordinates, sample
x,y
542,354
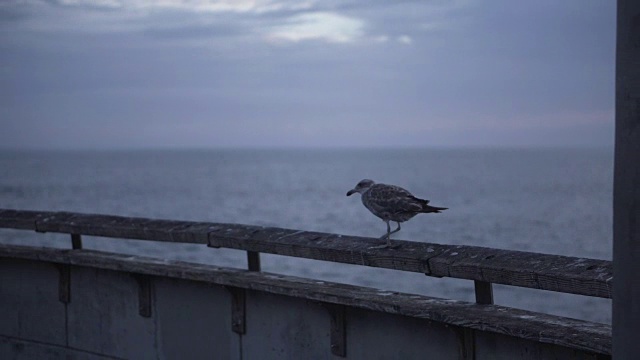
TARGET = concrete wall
x,y
193,320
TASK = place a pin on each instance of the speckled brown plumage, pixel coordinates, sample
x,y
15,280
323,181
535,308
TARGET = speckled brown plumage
x,y
391,203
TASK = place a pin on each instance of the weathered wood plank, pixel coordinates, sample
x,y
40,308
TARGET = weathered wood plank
x,y
539,271
523,324
126,227
19,219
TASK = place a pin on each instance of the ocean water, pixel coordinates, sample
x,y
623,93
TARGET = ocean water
x,y
555,201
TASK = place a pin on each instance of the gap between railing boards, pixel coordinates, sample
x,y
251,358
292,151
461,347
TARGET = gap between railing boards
x,y
485,266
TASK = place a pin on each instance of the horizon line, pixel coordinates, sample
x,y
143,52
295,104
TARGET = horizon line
x,y
311,148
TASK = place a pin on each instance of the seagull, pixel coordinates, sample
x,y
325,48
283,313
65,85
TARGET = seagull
x,y
391,203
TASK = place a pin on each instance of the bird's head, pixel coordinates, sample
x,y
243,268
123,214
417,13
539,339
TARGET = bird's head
x,y
361,187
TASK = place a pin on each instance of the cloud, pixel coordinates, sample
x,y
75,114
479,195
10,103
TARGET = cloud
x,y
325,26
381,39
405,39
93,3
466,70
198,6
201,22
193,22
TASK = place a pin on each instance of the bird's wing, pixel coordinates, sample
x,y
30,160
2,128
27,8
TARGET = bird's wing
x,y
394,199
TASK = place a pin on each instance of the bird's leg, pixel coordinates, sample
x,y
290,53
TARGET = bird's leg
x,y
388,237
389,232
397,229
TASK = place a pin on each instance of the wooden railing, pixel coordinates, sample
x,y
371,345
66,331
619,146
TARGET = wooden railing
x,y
485,266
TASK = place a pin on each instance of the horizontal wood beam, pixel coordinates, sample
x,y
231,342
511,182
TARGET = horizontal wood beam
x,y
572,333
566,274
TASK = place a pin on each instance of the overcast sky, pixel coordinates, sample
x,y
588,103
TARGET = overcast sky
x,y
237,73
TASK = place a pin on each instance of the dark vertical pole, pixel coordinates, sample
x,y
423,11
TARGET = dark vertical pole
x,y
626,186
253,260
76,241
484,292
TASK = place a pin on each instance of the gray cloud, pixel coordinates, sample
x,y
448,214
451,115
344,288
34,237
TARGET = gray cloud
x,y
466,73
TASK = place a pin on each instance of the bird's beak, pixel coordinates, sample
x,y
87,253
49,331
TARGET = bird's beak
x,y
351,192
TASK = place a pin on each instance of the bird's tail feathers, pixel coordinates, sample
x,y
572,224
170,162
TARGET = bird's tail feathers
x,y
432,209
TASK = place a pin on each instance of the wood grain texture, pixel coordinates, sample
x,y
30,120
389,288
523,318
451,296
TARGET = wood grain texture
x,y
20,219
576,334
566,274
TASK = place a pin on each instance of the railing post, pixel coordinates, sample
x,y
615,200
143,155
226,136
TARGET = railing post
x,y
484,292
253,259
76,241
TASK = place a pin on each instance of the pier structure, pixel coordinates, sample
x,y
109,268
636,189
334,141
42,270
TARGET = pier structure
x,y
92,304
626,193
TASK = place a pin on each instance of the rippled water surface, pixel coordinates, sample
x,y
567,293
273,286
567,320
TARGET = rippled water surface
x,y
555,201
